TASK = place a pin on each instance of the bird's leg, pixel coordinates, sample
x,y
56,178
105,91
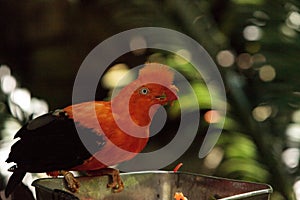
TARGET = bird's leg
x,y
72,183
116,182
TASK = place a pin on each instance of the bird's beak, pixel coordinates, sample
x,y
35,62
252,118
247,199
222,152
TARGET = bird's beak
x,y
171,93
168,96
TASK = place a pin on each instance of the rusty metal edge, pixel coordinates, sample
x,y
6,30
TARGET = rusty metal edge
x,y
194,174
268,191
248,194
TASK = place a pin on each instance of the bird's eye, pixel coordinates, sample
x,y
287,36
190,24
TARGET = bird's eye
x,y
144,90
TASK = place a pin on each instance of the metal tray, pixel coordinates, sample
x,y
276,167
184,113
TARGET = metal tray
x,y
150,185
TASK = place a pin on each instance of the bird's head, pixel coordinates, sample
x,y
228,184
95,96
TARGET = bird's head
x,y
154,86
153,93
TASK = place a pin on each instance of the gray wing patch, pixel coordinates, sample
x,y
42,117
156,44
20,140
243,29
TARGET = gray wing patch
x,y
45,119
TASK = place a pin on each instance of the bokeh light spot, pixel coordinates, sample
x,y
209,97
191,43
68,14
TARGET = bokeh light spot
x,y
244,61
252,33
267,73
22,98
261,15
296,188
290,157
114,75
138,45
293,20
252,47
261,113
293,132
38,107
296,116
212,116
182,56
4,70
258,58
287,31
214,158
8,83
225,58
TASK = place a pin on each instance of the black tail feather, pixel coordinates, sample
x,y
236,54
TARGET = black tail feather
x,y
15,179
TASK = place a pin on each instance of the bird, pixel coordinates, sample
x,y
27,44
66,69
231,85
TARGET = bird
x,y
53,143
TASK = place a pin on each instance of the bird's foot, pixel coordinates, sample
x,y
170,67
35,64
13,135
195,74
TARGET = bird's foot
x,y
72,183
116,183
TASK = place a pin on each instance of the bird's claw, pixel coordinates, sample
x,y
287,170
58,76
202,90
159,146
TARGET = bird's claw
x,y
72,183
116,184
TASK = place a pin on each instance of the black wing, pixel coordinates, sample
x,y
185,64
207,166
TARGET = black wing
x,y
51,142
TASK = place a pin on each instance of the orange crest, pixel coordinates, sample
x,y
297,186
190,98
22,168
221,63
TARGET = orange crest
x,y
157,72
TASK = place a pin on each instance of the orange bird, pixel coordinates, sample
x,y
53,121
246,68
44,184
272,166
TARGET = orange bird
x,y
113,132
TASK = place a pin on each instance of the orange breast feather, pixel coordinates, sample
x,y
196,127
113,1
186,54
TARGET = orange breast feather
x,y
119,146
